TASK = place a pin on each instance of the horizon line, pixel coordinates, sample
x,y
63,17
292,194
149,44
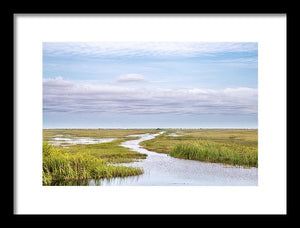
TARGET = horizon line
x,y
156,128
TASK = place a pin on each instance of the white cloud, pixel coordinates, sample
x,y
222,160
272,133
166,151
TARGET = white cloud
x,y
64,96
131,78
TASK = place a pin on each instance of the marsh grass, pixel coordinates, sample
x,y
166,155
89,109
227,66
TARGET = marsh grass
x,y
61,165
64,163
48,134
202,150
110,152
79,162
227,146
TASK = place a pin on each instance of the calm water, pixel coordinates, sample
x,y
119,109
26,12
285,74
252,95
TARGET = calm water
x,y
60,140
163,170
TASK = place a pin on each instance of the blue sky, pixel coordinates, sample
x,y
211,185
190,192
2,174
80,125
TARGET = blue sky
x,y
150,85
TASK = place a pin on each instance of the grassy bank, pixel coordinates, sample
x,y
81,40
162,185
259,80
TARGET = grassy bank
x,y
231,154
60,164
79,162
110,152
228,146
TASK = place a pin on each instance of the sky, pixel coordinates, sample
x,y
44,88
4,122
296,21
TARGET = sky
x,y
150,85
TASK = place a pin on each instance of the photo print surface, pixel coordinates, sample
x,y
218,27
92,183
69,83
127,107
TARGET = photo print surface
x,y
150,113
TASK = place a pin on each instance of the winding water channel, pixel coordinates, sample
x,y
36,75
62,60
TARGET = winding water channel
x,y
164,170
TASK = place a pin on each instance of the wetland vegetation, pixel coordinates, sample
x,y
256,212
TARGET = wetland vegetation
x,y
228,146
69,161
93,160
60,164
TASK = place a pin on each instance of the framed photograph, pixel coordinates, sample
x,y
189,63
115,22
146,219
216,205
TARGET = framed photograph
x,y
126,112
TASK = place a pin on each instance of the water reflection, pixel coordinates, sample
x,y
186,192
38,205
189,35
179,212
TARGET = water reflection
x,y
113,181
97,182
164,170
70,183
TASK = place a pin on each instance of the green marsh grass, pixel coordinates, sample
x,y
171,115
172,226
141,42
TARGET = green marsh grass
x,y
110,152
59,164
48,134
228,146
202,150
76,163
79,162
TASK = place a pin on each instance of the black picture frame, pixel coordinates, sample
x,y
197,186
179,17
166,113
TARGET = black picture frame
x,y
80,219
